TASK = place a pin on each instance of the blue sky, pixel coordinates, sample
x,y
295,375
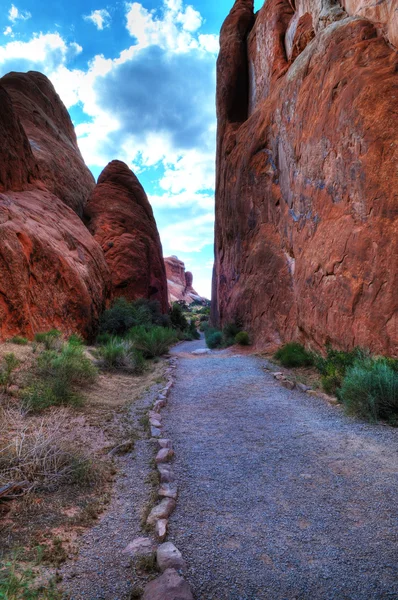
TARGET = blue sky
x,y
138,79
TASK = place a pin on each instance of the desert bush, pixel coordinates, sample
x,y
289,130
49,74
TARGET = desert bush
x,y
213,338
334,365
52,339
123,315
60,376
152,342
21,341
204,326
38,453
294,355
242,338
370,390
10,363
192,330
177,317
121,354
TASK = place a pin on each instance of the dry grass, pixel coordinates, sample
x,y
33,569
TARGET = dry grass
x,y
36,451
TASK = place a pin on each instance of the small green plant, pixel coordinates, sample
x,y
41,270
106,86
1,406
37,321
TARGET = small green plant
x,y
333,367
213,338
294,355
51,339
121,354
370,390
17,583
76,340
21,341
10,363
242,338
60,375
192,330
152,342
177,317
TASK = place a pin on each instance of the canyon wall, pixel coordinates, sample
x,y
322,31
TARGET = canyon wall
x,y
53,272
120,218
180,282
307,181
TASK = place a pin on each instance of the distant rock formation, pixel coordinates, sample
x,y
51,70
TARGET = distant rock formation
x,y
51,135
120,218
307,181
53,272
180,282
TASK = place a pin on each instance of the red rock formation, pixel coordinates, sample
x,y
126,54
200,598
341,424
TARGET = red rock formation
x,y
180,282
51,136
52,272
120,218
307,187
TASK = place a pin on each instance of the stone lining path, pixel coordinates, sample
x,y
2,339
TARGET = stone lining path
x,y
281,496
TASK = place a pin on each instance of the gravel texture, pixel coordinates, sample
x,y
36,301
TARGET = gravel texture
x,y
281,496
101,571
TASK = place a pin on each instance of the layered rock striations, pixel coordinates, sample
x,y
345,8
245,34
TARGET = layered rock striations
x,y
180,282
307,184
120,218
51,136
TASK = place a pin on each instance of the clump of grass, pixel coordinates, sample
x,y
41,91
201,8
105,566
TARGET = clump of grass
x,y
147,563
18,583
152,342
52,339
60,376
121,354
34,453
333,367
293,355
242,338
370,390
10,363
21,341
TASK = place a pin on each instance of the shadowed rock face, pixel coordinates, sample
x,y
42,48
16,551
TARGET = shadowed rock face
x,y
51,136
119,216
307,185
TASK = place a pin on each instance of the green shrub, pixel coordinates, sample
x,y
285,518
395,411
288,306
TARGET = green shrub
x,y
242,338
123,315
204,326
10,363
204,318
213,338
334,366
370,390
193,332
154,341
60,375
177,317
121,354
51,339
76,340
294,355
21,341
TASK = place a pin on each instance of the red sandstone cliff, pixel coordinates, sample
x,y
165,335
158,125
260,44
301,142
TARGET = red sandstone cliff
x,y
52,272
119,216
51,136
307,182
180,282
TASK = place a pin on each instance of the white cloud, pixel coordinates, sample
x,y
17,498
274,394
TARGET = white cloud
x,y
14,14
190,19
191,235
8,31
101,18
46,51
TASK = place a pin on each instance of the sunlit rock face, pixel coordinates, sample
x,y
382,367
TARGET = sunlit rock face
x,y
180,282
120,217
52,271
307,182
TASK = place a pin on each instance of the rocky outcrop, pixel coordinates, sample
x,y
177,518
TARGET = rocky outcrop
x,y
119,216
52,271
180,282
307,182
51,137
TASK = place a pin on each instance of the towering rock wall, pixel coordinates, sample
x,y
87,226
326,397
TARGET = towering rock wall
x,y
307,183
51,136
119,216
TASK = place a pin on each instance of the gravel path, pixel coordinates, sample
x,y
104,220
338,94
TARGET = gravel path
x,y
282,497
